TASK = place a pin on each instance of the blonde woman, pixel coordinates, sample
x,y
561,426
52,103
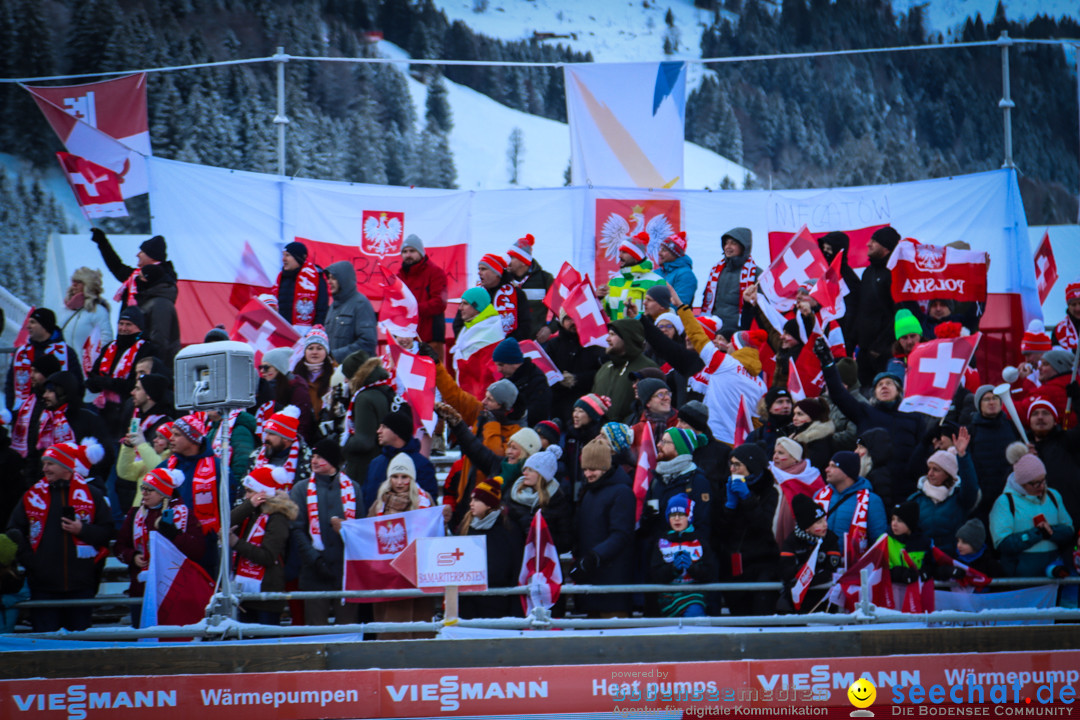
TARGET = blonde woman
x,y
84,319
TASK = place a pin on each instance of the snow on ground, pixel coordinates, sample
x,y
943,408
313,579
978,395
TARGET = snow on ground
x,y
481,134
946,16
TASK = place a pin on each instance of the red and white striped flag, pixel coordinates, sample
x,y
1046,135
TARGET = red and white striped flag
x,y
177,588
372,543
532,349
262,328
744,422
972,577
645,447
805,577
398,314
96,188
540,568
1045,267
567,279
414,376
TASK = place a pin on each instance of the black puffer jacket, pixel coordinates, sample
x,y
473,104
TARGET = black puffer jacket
x,y
504,546
989,438
605,525
747,529
534,394
566,352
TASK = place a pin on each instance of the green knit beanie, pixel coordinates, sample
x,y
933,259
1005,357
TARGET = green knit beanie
x,y
906,324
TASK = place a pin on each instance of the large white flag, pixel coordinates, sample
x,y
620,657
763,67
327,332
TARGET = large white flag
x,y
626,124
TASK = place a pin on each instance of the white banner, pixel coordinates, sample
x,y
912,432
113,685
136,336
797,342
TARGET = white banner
x,y
626,124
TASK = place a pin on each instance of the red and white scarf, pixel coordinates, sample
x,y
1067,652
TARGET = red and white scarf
x,y
130,287
140,536
203,492
118,368
348,502
22,365
36,503
249,575
350,426
20,430
145,423
747,277
219,435
855,539
291,462
305,294
261,416
54,428
1065,332
505,301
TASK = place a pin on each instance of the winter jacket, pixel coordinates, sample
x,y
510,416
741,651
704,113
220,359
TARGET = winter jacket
x,y
989,438
727,296
872,322
278,459
613,377
427,281
683,362
816,439
1023,549
569,356
299,395
97,381
425,471
940,521
523,329
533,402
188,541
747,529
853,283
327,574
187,464
604,525
688,479
492,464
576,439
155,294
766,434
504,549
558,514
286,285
270,553
55,567
842,511
662,570
241,443
132,464
878,444
905,428
535,285
629,284
350,321
1060,453
73,366
679,274
369,406
794,554
79,325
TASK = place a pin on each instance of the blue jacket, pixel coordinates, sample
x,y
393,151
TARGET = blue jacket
x,y
940,521
842,510
1024,551
425,471
679,274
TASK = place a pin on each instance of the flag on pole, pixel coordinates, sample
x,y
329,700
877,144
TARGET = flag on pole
x,y
795,266
744,422
372,543
805,577
645,447
935,370
567,279
845,591
534,351
177,588
1045,267
540,568
584,309
96,188
414,376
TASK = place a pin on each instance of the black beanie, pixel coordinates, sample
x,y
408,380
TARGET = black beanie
x,y
155,386
155,248
752,456
47,364
647,387
298,250
216,334
887,237
44,317
134,315
695,414
814,409
399,423
329,450
775,393
909,513
807,512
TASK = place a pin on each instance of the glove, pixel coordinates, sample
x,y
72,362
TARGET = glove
x,y
427,351
737,491
823,353
585,567
1060,571
649,512
904,575
1073,391
682,561
98,235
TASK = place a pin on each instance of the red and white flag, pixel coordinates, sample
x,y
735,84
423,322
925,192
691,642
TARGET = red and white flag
x,y
830,290
972,577
935,370
398,314
104,122
1045,267
414,376
372,543
178,589
919,595
744,422
567,279
262,328
795,266
926,272
845,591
805,577
541,571
584,309
251,280
811,380
533,350
96,188
645,447
794,383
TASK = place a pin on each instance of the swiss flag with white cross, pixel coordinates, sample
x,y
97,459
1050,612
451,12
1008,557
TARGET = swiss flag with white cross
x,y
584,309
934,371
414,376
799,262
262,328
567,279
1045,268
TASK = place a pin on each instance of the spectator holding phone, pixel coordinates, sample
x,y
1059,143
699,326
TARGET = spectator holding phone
x,y
1029,523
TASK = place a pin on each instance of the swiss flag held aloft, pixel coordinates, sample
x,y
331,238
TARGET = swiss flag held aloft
x,y
262,328
799,262
96,188
934,372
584,309
1045,267
567,279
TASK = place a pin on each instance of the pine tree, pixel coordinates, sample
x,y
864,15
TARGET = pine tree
x,y
438,114
515,154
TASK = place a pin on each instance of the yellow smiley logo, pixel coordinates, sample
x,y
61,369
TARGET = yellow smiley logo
x,y
862,693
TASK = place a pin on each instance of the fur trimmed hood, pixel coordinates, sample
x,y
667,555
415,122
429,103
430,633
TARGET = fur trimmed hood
x,y
281,503
816,430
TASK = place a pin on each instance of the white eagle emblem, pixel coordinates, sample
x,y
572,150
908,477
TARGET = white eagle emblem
x,y
382,233
616,229
391,536
929,258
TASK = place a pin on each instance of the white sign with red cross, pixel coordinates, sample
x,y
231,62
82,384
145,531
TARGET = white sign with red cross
x,y
935,370
455,560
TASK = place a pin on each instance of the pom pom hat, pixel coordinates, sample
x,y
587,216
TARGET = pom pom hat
x,y
266,479
522,249
164,480
75,457
285,423
636,246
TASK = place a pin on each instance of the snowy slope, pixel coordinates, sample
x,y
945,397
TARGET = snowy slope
x,y
481,133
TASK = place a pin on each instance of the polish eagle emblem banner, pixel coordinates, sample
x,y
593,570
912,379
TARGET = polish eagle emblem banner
x,y
382,232
618,220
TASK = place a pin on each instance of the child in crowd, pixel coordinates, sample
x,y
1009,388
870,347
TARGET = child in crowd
x,y
811,549
681,557
905,537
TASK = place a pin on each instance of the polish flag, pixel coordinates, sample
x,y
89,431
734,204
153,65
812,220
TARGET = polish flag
x,y
371,544
845,591
177,588
744,422
96,188
926,272
532,349
584,309
104,122
567,279
398,314
262,328
541,570
645,447
805,577
796,265
972,577
1045,268
414,376
935,370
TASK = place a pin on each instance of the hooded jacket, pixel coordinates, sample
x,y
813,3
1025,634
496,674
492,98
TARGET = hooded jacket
x,y
872,321
613,377
271,551
369,406
679,274
350,321
604,524
725,299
